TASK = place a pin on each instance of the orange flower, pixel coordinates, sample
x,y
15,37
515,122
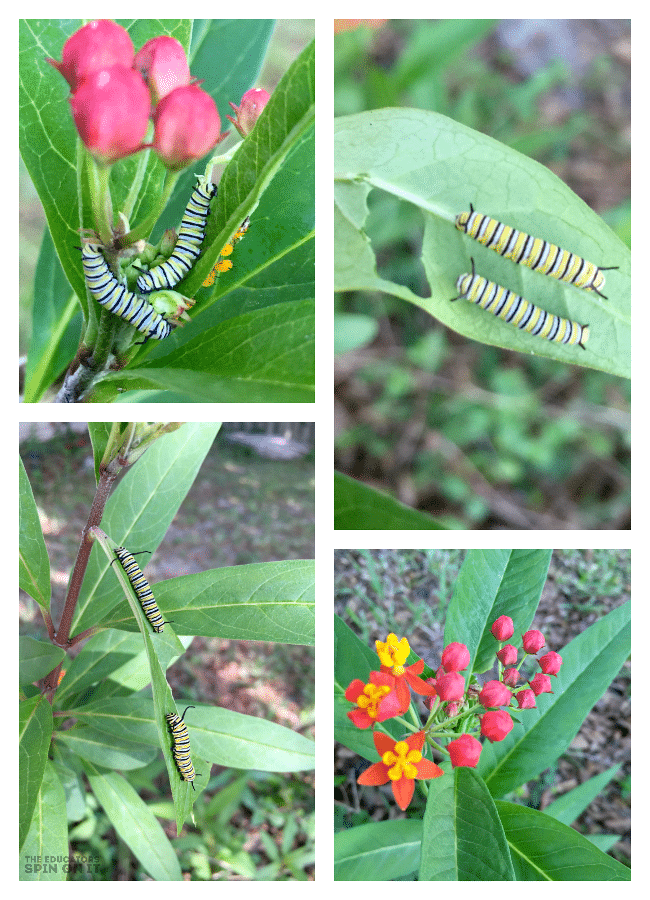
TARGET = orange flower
x,y
401,763
393,655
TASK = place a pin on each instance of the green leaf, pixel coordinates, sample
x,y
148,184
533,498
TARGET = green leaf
x,y
441,166
543,849
384,851
136,824
34,572
272,601
463,838
258,357
35,732
357,506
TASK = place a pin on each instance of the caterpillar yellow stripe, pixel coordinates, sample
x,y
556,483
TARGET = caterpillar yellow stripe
x,y
519,312
535,253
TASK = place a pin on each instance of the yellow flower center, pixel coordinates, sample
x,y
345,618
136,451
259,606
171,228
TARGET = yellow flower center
x,y
402,761
371,697
393,654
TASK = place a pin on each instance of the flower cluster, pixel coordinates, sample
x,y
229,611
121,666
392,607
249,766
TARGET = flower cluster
x,y
454,708
114,92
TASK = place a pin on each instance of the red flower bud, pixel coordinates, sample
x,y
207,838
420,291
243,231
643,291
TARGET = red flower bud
x,y
187,126
503,628
540,684
511,677
494,693
533,641
464,751
550,663
526,699
507,655
455,657
100,44
248,112
111,112
163,65
495,725
451,686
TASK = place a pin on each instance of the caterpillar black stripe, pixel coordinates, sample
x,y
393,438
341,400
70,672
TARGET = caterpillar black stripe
x,y
188,245
536,253
514,309
181,746
118,299
141,587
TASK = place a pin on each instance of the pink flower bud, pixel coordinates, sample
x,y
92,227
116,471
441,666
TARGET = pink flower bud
x,y
495,725
464,751
526,699
455,657
507,655
430,701
540,684
503,628
550,663
533,641
248,112
187,126
451,686
100,44
494,693
111,112
163,65
511,677
452,708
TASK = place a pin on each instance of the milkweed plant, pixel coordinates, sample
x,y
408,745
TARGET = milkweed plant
x,y
138,129
96,707
464,744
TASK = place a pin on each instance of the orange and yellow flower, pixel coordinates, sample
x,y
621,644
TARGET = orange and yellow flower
x,y
401,763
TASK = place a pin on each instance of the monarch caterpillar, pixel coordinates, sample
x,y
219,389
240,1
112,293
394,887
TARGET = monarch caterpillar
x,y
514,309
181,747
536,253
118,299
188,245
222,265
141,587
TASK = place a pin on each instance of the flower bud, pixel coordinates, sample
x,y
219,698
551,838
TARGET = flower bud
x,y
507,655
111,112
511,677
450,686
494,693
503,628
98,45
550,663
533,641
540,684
525,699
495,725
187,126
464,751
248,111
455,657
163,65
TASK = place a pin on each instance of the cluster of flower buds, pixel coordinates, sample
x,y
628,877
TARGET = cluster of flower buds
x,y
452,706
114,91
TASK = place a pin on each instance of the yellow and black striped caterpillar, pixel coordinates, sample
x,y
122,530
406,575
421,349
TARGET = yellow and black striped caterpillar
x,y
141,587
118,299
188,245
535,253
514,309
181,747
